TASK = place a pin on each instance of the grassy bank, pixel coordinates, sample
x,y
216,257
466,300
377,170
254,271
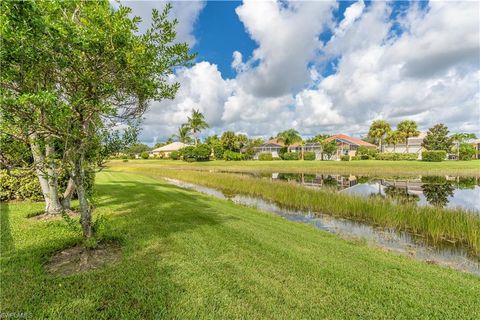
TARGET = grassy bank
x,y
434,223
189,256
364,167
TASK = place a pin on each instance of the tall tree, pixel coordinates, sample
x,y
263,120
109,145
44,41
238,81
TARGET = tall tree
x,y
183,134
393,138
438,138
100,73
196,122
229,141
407,129
289,137
378,131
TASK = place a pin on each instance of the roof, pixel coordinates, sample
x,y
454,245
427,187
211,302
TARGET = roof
x,y
422,136
174,146
277,143
351,140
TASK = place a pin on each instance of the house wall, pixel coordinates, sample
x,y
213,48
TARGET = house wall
x,y
402,148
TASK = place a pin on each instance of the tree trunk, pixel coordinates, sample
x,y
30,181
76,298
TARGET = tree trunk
x,y
52,203
55,205
85,208
407,144
68,194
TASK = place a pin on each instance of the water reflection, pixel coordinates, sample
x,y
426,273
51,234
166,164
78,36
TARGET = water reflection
x,y
437,191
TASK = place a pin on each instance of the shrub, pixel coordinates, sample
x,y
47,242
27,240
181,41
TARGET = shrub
x,y
282,151
356,158
125,160
232,156
144,155
202,152
266,156
218,151
19,185
175,155
188,153
345,158
466,151
434,155
291,156
396,156
367,153
309,155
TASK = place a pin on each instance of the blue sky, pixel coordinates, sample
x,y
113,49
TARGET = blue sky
x,y
322,67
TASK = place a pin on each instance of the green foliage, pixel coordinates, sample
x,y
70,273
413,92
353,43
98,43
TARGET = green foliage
x,y
19,185
232,156
289,137
379,130
329,148
407,129
175,155
198,153
396,156
438,139
355,158
183,134
196,123
218,151
309,155
463,137
282,151
137,148
434,155
345,158
265,156
466,152
144,155
291,156
318,138
367,153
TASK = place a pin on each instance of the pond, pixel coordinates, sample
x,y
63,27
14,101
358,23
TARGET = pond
x,y
404,243
438,191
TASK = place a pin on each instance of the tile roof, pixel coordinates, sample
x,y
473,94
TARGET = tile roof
x,y
352,140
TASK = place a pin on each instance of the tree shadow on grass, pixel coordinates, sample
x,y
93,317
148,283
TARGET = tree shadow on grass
x,y
6,239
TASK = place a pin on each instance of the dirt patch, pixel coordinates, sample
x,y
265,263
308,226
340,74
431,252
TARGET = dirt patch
x,y
45,216
80,259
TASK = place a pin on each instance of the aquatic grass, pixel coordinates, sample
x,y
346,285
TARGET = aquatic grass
x,y
435,224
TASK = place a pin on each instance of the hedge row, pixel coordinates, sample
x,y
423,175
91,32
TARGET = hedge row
x,y
396,156
266,156
291,156
434,155
309,155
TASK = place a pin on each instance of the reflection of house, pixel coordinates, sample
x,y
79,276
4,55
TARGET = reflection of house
x,y
167,149
348,145
414,146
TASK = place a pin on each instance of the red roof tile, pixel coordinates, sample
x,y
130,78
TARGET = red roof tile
x,y
352,140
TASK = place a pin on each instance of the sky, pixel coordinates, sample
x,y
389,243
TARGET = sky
x,y
321,66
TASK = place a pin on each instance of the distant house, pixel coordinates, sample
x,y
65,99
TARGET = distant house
x,y
348,146
414,146
167,149
476,145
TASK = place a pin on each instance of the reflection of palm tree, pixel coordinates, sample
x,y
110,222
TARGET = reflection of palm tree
x,y
437,194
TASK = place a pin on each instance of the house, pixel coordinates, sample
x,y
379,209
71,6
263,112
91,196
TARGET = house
x,y
273,147
165,151
476,145
414,146
347,146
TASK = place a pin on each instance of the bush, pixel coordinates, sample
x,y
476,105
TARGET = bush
x,y
466,151
232,156
396,156
309,155
345,158
282,151
19,185
202,152
188,153
434,155
144,155
218,151
291,156
367,153
125,160
175,155
265,156
356,158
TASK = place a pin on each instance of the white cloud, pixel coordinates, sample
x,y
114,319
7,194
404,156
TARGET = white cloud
x,y
429,73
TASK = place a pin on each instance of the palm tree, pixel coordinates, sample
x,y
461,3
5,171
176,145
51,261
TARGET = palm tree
x,y
197,123
407,129
289,137
183,134
378,131
393,137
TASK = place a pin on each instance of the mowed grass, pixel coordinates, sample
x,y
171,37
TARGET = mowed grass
x,y
189,256
364,167
435,224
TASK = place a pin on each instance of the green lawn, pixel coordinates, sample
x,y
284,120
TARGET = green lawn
x,y
188,255
367,167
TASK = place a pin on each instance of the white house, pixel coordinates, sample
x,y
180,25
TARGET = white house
x,y
414,146
167,149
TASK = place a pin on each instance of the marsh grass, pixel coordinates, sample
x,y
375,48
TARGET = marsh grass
x,y
435,224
